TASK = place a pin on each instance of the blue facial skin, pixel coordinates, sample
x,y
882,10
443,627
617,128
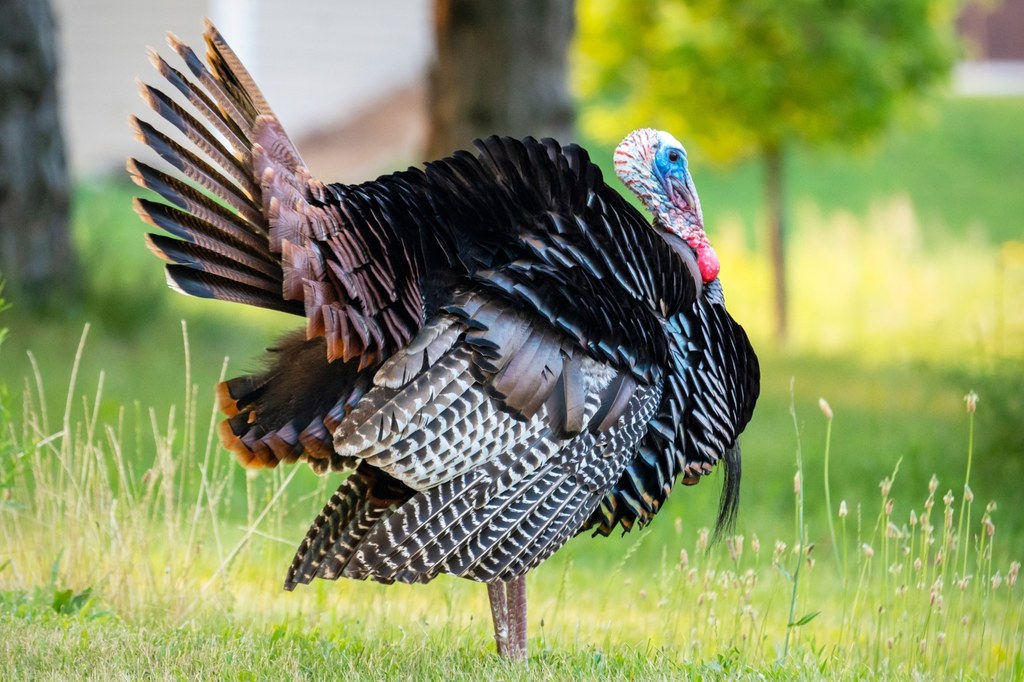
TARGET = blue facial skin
x,y
670,162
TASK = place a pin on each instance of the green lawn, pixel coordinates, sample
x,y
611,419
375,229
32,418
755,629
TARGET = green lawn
x,y
899,310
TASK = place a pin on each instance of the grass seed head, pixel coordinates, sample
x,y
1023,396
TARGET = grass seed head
x,y
734,544
1011,575
825,408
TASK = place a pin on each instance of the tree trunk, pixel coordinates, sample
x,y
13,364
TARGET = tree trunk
x,y
501,69
774,196
35,246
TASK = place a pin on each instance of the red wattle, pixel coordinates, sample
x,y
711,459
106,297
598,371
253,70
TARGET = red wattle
x,y
707,261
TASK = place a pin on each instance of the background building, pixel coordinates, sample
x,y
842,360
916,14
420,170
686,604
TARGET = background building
x,y
320,63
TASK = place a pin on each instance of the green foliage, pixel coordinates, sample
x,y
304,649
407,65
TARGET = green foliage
x,y
737,76
960,171
124,289
49,600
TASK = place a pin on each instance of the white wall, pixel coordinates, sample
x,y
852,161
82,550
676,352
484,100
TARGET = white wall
x,y
317,61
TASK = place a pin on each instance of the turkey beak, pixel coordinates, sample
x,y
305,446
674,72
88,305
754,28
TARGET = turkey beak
x,y
684,195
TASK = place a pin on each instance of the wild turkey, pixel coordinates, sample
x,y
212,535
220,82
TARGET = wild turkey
x,y
498,347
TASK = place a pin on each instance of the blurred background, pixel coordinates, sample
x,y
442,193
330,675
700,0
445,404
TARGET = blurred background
x,y
860,165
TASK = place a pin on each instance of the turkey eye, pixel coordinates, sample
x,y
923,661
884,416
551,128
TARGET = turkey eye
x,y
673,156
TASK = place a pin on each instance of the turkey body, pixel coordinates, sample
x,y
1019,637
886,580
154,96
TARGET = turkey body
x,y
498,347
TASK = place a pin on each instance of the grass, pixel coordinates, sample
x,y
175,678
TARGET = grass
x,y
116,572
130,545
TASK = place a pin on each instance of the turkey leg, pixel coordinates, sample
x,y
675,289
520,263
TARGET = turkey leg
x,y
508,610
516,594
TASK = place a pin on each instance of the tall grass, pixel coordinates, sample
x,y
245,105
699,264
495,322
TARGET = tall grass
x,y
84,501
97,542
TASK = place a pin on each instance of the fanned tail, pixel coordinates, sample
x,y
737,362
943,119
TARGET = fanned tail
x,y
220,244
227,227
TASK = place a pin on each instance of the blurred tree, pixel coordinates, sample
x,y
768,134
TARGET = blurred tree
x,y
741,77
35,246
501,68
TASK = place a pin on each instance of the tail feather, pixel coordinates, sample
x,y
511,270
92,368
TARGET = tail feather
x,y
198,135
229,108
219,244
234,395
187,280
202,103
213,261
232,72
243,221
198,217
290,410
197,231
331,249
199,171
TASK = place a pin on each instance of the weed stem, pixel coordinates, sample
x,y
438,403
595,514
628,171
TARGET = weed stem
x,y
798,490
828,491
